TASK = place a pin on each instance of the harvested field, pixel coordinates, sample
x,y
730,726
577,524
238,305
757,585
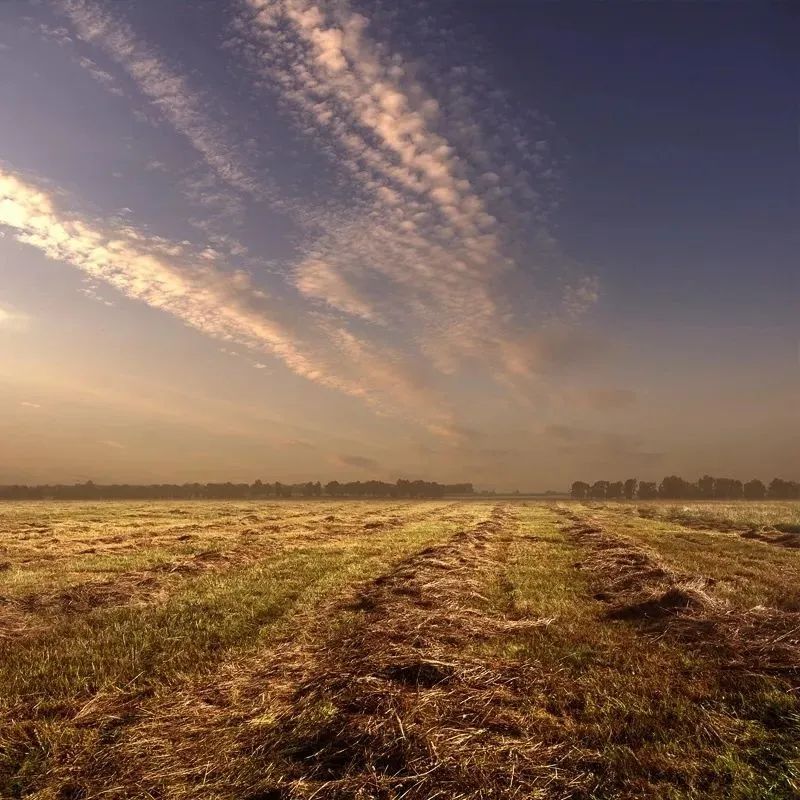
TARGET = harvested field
x,y
394,650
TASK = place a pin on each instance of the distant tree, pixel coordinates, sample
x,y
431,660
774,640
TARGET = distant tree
x,y
599,490
459,488
648,490
755,490
614,490
705,487
229,491
727,489
780,489
674,487
630,488
580,490
260,489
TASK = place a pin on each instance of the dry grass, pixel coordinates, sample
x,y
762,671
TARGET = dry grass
x,y
405,650
782,516
639,585
748,572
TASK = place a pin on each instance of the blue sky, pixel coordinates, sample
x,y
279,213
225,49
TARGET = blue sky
x,y
510,243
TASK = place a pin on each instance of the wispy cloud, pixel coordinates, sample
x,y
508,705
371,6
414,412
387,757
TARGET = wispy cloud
x,y
62,37
598,446
29,404
185,108
415,274
437,196
13,320
183,282
101,75
359,462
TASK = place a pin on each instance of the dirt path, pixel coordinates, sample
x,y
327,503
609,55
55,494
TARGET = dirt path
x,y
385,695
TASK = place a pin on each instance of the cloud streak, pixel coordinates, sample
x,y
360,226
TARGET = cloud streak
x,y
437,198
412,276
182,106
13,320
190,286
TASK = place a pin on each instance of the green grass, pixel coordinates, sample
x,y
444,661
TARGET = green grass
x,y
783,515
632,714
649,718
748,572
121,655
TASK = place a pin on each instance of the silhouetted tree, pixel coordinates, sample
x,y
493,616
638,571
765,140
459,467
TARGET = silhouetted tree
x,y
599,490
780,489
755,490
673,487
647,490
580,490
230,491
705,487
727,489
630,488
614,490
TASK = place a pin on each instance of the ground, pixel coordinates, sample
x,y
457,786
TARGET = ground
x,y
391,649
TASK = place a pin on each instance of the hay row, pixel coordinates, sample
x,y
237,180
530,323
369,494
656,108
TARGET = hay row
x,y
386,695
31,613
637,585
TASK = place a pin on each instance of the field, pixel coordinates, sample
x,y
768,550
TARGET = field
x,y
468,649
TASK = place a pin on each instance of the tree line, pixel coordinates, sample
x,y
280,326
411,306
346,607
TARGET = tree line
x,y
674,487
233,491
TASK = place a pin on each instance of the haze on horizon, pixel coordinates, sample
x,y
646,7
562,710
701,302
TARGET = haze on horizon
x,y
514,244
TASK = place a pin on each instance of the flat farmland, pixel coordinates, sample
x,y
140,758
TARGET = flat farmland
x,y
399,649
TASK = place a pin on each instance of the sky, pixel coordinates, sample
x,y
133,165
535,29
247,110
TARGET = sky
x,y
517,244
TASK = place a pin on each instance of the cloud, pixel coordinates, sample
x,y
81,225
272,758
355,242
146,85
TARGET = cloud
x,y
184,108
13,320
600,447
359,462
434,260
439,199
29,404
319,280
608,399
181,281
149,269
113,444
551,348
101,76
581,296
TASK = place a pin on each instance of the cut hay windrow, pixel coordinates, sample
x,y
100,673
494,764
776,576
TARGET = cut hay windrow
x,y
398,706
638,586
386,695
30,614
773,535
